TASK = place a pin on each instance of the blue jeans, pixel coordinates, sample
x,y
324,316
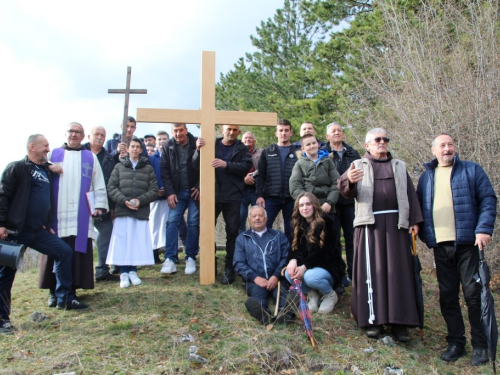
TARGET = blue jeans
x,y
184,201
262,294
105,228
52,246
315,278
249,198
344,217
127,269
274,206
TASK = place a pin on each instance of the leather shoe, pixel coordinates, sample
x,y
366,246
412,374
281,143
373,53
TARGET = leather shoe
x,y
453,353
479,357
400,333
228,277
374,332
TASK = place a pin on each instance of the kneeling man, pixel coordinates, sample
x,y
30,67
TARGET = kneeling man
x,y
259,257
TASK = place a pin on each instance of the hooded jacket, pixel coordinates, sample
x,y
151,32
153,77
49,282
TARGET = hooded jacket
x,y
317,177
474,202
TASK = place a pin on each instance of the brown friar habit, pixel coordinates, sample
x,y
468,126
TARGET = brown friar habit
x,y
390,255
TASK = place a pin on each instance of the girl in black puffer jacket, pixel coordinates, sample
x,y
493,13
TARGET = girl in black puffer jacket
x,y
132,186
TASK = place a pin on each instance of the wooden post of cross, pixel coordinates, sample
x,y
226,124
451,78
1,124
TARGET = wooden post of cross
x,y
127,91
208,117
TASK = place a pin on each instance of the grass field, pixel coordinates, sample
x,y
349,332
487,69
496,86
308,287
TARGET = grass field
x,y
139,330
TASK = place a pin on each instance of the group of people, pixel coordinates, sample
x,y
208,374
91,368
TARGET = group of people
x,y
323,190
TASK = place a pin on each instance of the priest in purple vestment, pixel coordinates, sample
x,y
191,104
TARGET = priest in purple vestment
x,y
79,173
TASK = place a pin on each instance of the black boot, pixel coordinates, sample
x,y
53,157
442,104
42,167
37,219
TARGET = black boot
x,y
157,257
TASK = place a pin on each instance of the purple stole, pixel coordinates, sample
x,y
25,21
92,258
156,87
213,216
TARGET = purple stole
x,y
83,210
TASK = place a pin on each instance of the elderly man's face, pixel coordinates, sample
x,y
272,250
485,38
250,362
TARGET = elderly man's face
x,y
335,134
377,146
307,128
39,149
248,140
74,135
180,134
97,137
444,150
257,219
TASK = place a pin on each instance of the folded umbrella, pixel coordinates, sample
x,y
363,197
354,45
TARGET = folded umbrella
x,y
419,297
488,318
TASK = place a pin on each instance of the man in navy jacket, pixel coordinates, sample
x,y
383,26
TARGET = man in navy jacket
x,y
459,207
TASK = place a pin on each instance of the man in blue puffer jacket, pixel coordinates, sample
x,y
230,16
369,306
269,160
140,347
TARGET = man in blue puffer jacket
x,y
459,207
259,257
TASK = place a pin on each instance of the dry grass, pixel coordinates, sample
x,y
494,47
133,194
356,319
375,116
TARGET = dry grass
x,y
138,331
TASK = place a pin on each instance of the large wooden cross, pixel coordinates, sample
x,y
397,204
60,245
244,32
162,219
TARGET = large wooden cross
x,y
208,117
127,91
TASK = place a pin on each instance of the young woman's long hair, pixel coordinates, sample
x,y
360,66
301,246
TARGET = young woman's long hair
x,y
299,222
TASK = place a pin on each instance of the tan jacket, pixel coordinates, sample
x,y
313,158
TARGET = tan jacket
x,y
364,201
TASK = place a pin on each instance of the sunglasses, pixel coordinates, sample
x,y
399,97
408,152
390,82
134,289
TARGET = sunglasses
x,y
378,139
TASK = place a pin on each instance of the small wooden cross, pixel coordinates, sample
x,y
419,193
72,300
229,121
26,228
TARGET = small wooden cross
x,y
127,91
208,117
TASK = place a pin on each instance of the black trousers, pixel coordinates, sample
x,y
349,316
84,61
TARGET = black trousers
x,y
231,213
455,266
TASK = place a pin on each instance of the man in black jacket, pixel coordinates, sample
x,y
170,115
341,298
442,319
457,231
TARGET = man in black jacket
x,y
103,223
181,183
343,155
275,168
26,217
232,162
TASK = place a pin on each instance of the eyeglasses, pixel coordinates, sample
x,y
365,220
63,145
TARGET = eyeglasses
x,y
71,131
378,139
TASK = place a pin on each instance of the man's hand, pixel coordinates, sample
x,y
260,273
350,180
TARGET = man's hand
x,y
326,207
249,180
272,283
161,192
219,163
51,231
195,194
3,233
414,228
482,240
121,149
354,174
260,281
172,201
56,169
261,202
200,142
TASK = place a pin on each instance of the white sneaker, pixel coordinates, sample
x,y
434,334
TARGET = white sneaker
x,y
312,300
124,281
132,275
190,266
168,267
328,302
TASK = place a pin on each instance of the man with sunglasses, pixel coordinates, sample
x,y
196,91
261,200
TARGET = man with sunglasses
x,y
386,209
